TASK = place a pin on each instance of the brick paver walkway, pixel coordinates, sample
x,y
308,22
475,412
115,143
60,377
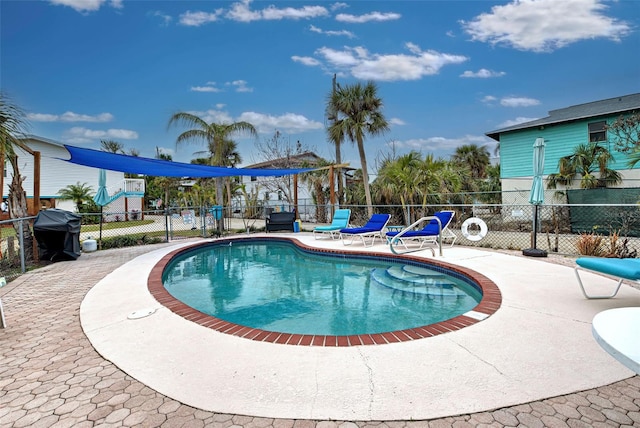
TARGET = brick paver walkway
x,y
50,375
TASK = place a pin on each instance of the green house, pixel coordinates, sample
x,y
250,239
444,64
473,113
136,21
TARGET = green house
x,y
563,130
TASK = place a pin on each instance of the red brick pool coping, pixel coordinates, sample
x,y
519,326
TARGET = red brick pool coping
x,y
489,304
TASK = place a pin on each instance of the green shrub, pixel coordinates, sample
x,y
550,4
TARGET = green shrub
x,y
129,241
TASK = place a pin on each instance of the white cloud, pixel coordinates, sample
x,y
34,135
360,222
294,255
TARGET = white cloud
x,y
305,60
240,86
339,5
288,122
516,121
396,121
264,123
483,73
166,19
545,25
70,116
217,116
390,67
441,144
196,19
511,101
368,17
207,88
79,134
85,6
346,33
519,102
242,12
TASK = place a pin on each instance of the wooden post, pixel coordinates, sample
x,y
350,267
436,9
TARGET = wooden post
x,y
2,174
36,182
332,191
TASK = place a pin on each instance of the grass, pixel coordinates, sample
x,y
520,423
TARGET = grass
x,y
114,225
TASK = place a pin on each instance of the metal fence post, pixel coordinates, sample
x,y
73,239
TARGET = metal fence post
x,y
21,240
166,225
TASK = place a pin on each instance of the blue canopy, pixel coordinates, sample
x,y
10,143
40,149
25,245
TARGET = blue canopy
x,y
163,168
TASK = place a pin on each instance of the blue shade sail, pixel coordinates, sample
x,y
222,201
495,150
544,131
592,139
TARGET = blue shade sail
x,y
163,168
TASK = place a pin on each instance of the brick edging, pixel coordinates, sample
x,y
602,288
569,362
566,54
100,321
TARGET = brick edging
x,y
489,304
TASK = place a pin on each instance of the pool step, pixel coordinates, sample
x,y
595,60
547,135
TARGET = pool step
x,y
427,276
418,285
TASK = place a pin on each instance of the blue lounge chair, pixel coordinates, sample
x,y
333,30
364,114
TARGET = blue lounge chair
x,y
619,268
428,234
340,221
373,229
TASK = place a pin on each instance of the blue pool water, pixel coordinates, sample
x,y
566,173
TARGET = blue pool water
x,y
277,286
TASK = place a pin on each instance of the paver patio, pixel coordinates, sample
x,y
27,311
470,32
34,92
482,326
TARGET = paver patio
x,y
50,375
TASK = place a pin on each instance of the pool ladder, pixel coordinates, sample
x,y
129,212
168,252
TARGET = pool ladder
x,y
397,239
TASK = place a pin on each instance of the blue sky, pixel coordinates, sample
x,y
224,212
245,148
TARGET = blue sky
x,y
447,71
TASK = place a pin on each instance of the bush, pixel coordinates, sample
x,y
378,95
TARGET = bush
x,y
129,241
590,244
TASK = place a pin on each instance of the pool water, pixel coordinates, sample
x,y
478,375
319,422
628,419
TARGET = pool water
x,y
276,286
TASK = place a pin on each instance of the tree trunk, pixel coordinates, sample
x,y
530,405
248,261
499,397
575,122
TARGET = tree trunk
x,y
219,201
18,209
365,176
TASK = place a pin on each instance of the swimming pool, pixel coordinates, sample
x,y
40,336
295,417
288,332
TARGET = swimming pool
x,y
367,298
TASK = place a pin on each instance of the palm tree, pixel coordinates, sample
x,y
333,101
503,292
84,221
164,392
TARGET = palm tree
x,y
12,126
476,158
78,193
585,161
318,181
213,134
111,146
336,139
230,158
441,180
358,110
402,177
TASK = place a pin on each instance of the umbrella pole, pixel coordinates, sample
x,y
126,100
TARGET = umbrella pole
x,y
100,239
535,226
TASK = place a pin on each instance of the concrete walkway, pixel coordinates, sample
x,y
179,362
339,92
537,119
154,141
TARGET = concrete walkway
x,y
50,374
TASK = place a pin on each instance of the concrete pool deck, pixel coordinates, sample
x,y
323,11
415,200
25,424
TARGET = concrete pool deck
x,y
537,345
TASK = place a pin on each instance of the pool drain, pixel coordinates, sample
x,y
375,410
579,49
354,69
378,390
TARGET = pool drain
x,y
141,313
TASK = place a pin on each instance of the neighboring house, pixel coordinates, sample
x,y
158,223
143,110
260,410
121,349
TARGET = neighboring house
x,y
272,191
56,174
563,130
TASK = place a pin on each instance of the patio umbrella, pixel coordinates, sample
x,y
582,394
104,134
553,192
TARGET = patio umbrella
x,y
102,197
536,196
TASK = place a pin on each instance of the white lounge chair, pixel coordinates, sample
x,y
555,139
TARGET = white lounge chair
x,y
619,268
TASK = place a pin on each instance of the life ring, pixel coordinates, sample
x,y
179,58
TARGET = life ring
x,y
475,221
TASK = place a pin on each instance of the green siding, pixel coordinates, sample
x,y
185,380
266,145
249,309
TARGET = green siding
x,y
516,147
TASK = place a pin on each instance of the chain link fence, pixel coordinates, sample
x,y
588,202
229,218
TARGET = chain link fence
x,y
562,228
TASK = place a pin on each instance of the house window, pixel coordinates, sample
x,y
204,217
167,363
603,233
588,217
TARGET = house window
x,y
597,132
254,178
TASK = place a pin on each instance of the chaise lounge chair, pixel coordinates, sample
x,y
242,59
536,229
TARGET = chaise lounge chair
x,y
437,226
620,268
340,221
373,229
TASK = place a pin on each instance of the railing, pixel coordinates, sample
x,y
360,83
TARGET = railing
x,y
397,239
